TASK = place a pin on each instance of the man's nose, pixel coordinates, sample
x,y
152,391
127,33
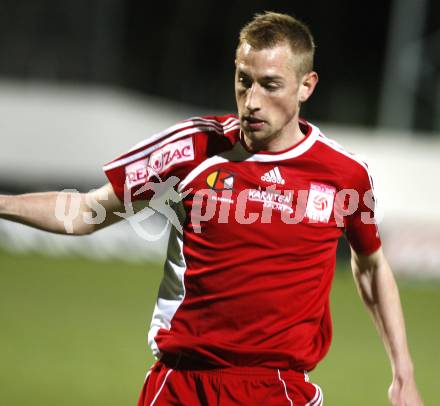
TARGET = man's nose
x,y
253,98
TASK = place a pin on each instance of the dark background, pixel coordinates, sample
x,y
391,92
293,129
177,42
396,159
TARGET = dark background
x,y
184,50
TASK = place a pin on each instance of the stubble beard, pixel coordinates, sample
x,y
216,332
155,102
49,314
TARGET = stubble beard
x,y
259,140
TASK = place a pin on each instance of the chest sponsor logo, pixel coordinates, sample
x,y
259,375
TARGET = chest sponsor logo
x,y
272,198
320,202
220,180
160,160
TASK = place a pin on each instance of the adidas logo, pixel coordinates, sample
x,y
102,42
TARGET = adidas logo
x,y
274,176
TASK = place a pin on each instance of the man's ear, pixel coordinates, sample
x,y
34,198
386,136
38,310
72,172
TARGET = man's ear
x,y
307,86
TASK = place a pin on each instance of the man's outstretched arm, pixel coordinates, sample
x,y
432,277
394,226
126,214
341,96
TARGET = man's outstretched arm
x,y
378,289
64,212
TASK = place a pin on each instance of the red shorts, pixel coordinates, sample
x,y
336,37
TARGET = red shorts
x,y
247,386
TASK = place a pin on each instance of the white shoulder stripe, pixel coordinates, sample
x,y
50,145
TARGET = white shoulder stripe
x,y
227,122
148,151
337,147
193,121
157,136
233,128
231,124
231,121
195,128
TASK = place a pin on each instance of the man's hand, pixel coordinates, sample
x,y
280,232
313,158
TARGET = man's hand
x,y
403,392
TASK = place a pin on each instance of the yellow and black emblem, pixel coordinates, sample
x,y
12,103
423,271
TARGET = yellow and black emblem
x,y
220,180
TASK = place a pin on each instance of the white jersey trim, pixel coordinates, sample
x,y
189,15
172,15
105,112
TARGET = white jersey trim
x,y
191,122
161,387
232,128
231,121
239,154
339,148
199,169
291,153
195,126
318,398
285,388
355,157
172,290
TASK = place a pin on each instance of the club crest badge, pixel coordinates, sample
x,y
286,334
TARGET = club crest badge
x,y
320,202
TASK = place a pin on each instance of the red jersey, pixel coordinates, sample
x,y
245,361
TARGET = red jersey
x,y
247,277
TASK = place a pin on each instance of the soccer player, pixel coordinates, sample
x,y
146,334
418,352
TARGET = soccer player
x,y
242,312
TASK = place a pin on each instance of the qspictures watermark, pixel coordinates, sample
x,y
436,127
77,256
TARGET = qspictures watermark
x,y
316,204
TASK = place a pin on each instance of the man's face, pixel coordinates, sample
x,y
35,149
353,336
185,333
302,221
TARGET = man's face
x,y
268,92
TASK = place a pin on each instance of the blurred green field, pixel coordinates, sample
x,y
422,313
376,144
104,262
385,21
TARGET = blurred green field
x,y
73,332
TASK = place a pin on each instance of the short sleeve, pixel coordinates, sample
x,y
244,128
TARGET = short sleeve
x,y
153,161
361,227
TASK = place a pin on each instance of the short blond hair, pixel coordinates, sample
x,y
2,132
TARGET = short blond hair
x,y
270,29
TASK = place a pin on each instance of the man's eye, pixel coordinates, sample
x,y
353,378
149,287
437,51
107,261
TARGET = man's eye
x,y
245,82
271,86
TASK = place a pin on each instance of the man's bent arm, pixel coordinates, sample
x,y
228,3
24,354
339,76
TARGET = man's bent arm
x,y
64,212
378,289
